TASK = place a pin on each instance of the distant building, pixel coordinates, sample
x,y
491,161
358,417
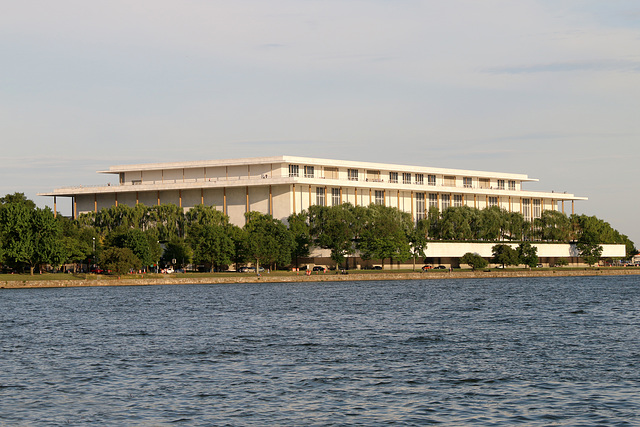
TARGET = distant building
x,y
283,185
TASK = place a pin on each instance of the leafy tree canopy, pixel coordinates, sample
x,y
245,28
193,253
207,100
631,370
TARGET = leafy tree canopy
x,y
119,260
504,255
527,254
474,260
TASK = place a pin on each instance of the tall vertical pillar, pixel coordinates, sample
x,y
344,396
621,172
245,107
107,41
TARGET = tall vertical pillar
x,y
294,197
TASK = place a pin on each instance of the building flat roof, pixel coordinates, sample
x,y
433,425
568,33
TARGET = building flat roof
x,y
310,161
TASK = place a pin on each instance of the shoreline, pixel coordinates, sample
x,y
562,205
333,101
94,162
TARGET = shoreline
x,y
327,277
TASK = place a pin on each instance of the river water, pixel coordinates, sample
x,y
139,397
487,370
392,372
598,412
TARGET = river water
x,y
530,351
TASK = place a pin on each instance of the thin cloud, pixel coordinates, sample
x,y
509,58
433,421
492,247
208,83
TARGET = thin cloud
x,y
561,67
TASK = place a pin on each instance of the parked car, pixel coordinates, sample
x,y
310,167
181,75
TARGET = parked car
x,y
97,270
440,267
427,267
250,269
319,268
376,267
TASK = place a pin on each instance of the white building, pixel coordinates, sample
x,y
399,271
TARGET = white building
x,y
282,185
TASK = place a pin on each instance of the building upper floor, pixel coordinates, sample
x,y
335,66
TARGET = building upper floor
x,y
313,171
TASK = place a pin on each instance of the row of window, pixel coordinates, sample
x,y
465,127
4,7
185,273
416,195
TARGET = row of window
x,y
407,178
446,201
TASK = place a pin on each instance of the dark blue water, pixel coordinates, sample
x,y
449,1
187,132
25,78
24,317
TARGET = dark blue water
x,y
560,351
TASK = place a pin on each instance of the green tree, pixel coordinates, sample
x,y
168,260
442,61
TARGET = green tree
x,y
589,247
504,255
119,260
433,219
385,234
334,228
17,234
491,224
212,245
299,227
269,241
169,221
515,226
18,198
78,241
144,245
418,240
240,242
179,250
458,223
205,215
527,254
30,237
553,226
474,260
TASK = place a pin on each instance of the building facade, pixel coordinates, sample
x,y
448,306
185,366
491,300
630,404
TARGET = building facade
x,y
282,185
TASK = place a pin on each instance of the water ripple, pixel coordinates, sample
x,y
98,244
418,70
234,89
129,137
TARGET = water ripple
x,y
558,351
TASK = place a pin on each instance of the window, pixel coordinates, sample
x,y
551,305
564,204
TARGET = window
x,y
526,209
309,172
379,197
420,207
537,211
335,196
450,181
431,179
446,201
420,179
433,200
501,184
393,177
467,182
331,173
484,183
352,174
512,185
294,170
373,176
458,200
320,196
406,178
493,201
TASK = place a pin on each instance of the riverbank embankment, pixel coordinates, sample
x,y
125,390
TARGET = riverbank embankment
x,y
149,280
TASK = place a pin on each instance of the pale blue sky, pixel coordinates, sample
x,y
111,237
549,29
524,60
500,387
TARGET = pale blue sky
x,y
546,88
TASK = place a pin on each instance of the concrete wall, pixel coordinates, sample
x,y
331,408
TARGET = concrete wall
x,y
447,249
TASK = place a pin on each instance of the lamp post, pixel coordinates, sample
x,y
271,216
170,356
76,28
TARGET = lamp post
x,y
94,251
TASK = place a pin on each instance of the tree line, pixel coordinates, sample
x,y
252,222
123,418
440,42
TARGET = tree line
x,y
123,238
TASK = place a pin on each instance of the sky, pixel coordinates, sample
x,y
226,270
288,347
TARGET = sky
x,y
547,88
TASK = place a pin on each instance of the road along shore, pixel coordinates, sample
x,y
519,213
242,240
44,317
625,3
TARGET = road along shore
x,y
322,277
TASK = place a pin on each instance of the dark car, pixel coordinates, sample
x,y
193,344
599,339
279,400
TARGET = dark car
x,y
376,267
319,268
440,267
